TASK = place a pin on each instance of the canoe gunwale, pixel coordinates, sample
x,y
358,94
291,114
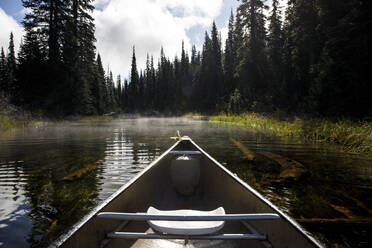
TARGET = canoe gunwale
x,y
95,210
296,225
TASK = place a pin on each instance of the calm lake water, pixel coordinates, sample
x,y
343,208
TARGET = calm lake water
x,y
53,175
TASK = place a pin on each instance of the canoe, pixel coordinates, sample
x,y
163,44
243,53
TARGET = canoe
x,y
122,220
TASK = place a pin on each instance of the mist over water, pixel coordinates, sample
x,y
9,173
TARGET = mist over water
x,y
51,176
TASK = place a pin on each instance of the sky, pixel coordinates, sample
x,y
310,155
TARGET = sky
x,y
146,24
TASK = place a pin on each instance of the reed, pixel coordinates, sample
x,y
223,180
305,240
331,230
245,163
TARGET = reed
x,y
353,136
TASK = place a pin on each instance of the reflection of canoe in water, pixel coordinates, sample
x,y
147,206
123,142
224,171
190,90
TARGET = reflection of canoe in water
x,y
187,185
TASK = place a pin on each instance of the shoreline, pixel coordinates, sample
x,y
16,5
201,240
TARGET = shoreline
x,y
351,136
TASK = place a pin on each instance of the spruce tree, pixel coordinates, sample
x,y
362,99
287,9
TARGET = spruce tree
x,y
305,49
79,55
229,58
342,85
48,17
30,73
118,90
275,52
3,73
11,67
134,82
99,91
252,64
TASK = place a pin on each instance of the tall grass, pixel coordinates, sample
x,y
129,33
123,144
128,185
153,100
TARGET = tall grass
x,y
354,136
7,123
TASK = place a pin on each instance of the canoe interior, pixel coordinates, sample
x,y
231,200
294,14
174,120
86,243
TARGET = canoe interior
x,y
216,188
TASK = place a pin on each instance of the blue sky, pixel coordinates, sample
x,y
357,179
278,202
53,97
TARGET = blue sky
x,y
147,24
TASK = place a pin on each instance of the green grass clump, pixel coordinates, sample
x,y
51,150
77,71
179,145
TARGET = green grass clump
x,y
353,136
96,118
7,123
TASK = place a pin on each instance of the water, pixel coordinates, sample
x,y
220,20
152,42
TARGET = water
x,y
53,175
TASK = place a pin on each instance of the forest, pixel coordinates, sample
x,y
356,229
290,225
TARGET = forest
x,y
311,58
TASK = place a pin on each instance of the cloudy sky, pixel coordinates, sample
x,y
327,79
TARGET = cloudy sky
x,y
147,24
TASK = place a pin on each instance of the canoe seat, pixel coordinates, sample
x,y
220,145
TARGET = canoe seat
x,y
186,227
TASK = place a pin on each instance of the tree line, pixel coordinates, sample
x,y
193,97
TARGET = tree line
x,y
311,57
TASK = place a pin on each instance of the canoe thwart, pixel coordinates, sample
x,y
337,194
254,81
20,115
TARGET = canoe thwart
x,y
225,217
185,152
107,240
132,235
253,230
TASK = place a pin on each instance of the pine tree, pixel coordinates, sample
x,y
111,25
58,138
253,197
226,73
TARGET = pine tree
x,y
134,81
125,95
275,52
141,91
118,91
229,58
342,83
30,73
48,17
252,65
3,73
305,49
11,67
216,64
79,55
99,91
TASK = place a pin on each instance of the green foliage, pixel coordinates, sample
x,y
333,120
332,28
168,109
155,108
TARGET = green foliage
x,y
236,103
7,123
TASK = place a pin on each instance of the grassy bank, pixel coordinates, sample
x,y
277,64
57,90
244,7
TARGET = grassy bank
x,y
7,123
353,136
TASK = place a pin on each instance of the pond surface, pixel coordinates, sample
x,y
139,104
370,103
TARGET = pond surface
x,y
52,176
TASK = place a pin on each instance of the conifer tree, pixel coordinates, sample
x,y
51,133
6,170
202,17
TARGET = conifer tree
x,y
3,73
99,91
305,49
229,58
11,67
118,90
125,95
48,17
275,52
134,81
252,67
30,73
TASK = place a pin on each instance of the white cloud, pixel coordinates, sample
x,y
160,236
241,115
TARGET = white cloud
x,y
148,24
8,25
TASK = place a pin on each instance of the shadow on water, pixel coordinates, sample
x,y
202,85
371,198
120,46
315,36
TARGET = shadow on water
x,y
50,177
